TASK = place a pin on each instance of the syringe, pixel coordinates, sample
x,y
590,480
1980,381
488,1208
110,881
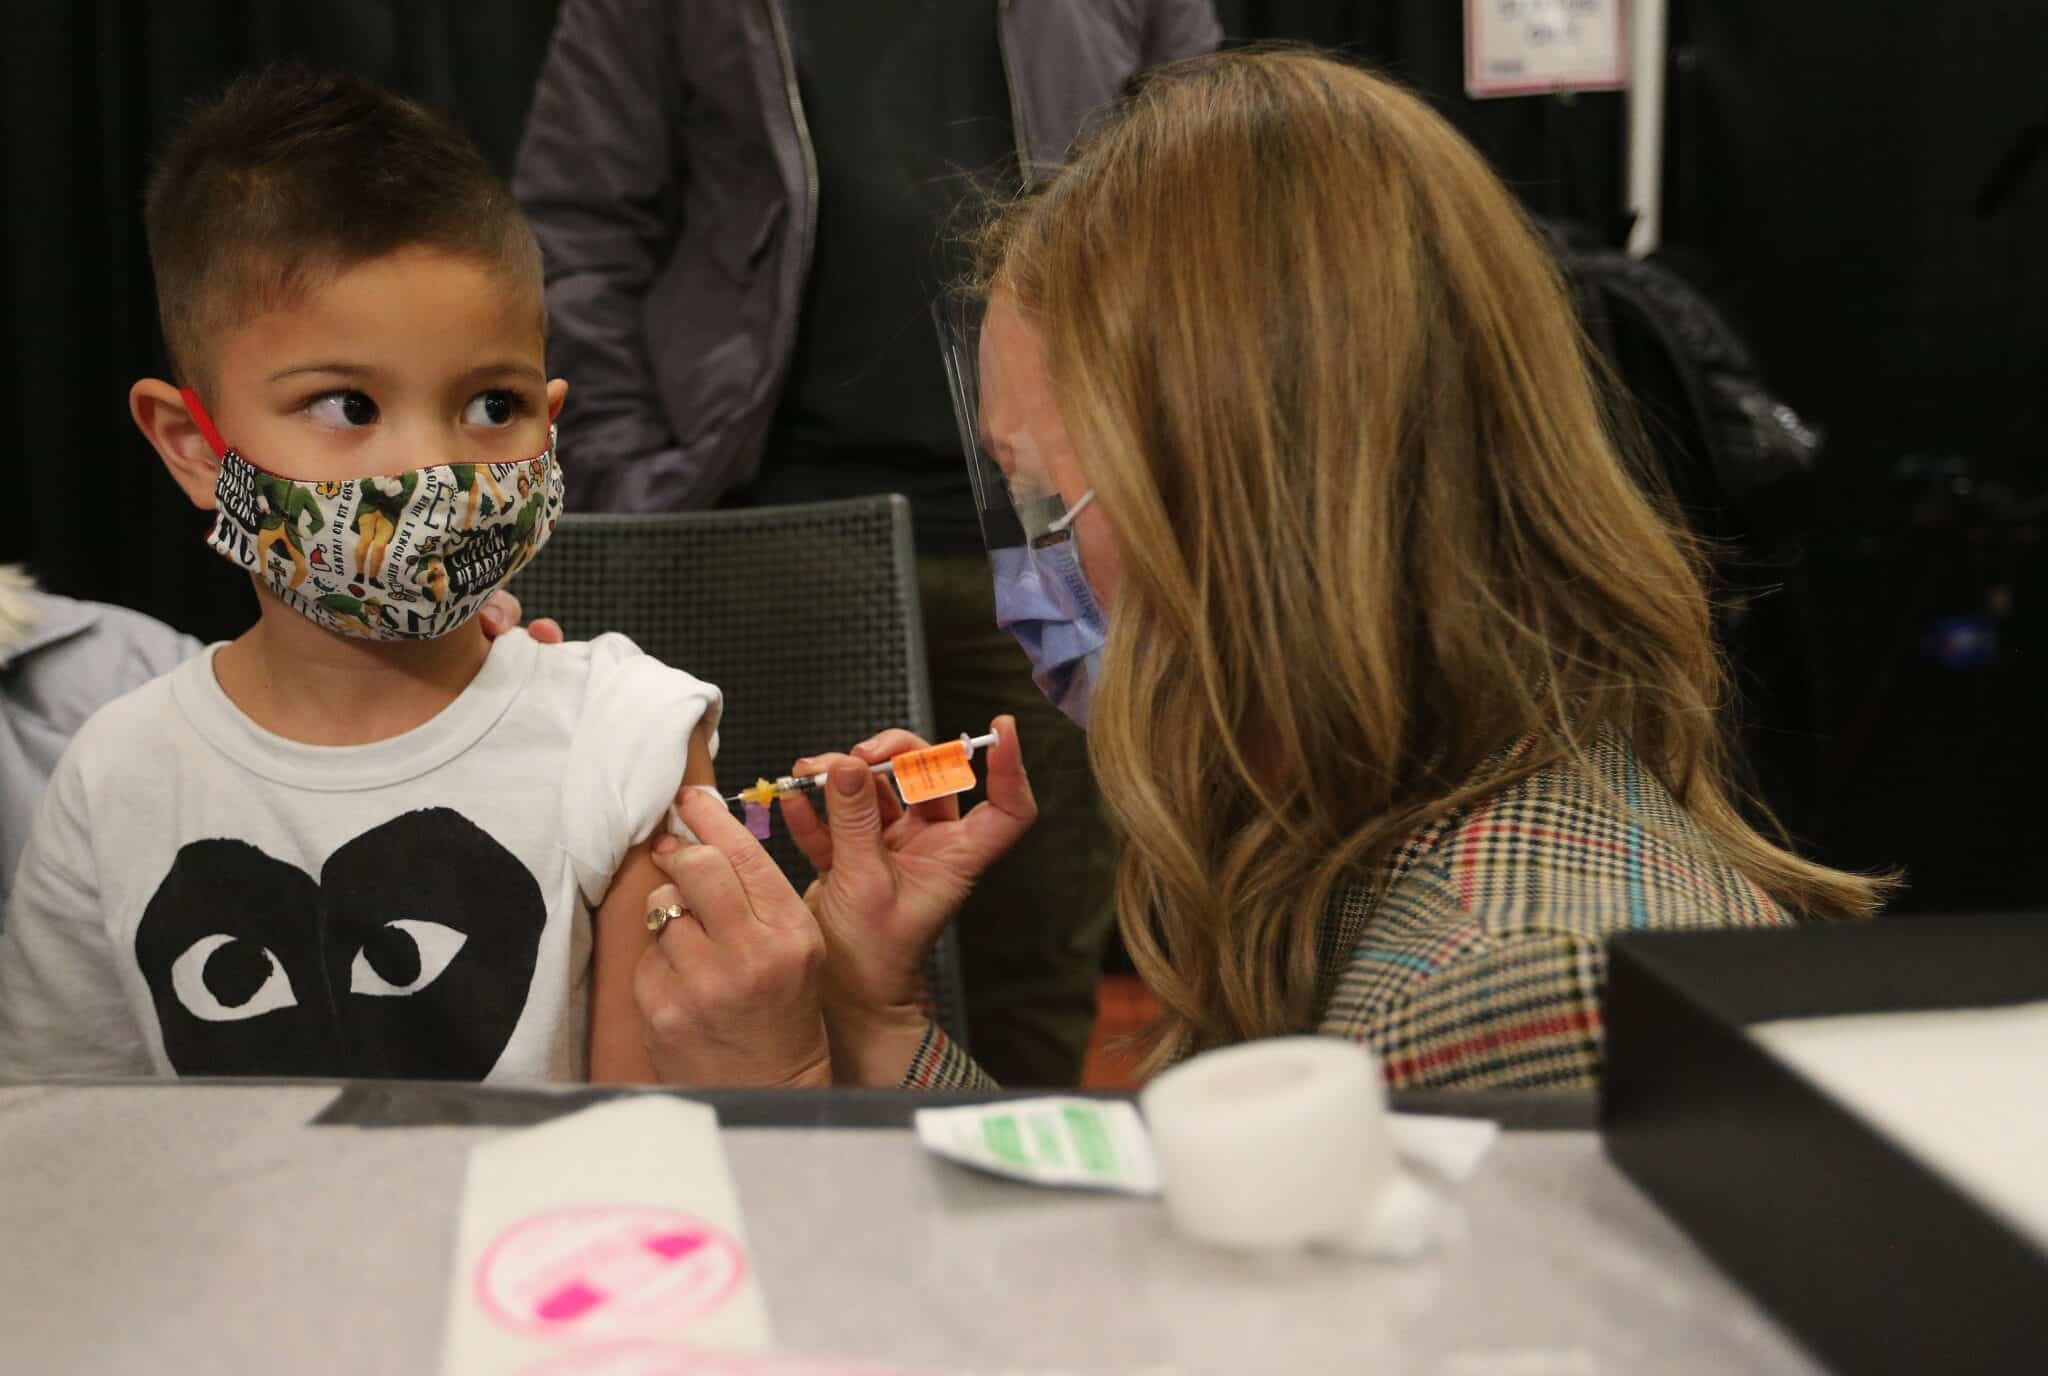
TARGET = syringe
x,y
766,791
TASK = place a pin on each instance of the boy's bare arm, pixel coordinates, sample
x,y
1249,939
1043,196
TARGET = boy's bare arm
x,y
618,1047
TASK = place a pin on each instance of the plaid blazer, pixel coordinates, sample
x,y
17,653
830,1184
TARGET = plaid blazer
x,y
1477,957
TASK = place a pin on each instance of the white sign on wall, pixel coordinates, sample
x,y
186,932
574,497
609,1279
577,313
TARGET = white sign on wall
x,y
1534,47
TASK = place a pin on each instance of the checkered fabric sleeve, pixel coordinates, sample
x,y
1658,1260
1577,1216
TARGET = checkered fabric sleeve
x,y
941,1064
1479,960
1517,1011
1445,1003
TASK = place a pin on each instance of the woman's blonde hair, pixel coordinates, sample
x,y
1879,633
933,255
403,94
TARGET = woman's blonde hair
x,y
1373,520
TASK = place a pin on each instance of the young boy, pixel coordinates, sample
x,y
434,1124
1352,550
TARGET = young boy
x,y
361,839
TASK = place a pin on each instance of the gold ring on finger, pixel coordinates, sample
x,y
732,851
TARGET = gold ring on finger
x,y
658,918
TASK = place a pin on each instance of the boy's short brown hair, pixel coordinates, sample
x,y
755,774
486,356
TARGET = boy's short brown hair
x,y
291,175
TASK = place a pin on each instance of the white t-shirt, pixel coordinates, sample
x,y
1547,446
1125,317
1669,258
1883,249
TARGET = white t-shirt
x,y
201,897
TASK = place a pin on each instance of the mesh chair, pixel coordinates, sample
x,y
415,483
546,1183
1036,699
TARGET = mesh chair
x,y
806,616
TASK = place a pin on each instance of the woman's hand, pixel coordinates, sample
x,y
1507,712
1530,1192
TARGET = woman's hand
x,y
501,612
729,994
889,879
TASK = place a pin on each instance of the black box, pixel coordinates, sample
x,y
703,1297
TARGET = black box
x,y
1877,1263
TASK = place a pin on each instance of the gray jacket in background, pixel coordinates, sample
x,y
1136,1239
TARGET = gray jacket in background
x,y
668,174
73,659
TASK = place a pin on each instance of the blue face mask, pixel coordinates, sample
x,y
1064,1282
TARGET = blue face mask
x,y
1043,599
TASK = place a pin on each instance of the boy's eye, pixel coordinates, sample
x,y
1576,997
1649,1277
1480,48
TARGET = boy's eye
x,y
491,408
343,410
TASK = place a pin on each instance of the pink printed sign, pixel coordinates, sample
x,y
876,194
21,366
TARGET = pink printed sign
x,y
604,1269
675,1359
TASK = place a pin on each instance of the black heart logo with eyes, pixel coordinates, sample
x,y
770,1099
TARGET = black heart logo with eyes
x,y
410,957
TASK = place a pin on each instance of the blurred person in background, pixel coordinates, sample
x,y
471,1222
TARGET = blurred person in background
x,y
745,212
61,660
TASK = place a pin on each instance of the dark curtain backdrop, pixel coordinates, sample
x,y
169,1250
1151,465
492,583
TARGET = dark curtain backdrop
x,y
1831,164
1849,179
1562,154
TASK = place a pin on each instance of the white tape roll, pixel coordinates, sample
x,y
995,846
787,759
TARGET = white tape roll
x,y
1272,1144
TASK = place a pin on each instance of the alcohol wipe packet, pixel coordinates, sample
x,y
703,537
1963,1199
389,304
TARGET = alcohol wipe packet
x,y
1067,1142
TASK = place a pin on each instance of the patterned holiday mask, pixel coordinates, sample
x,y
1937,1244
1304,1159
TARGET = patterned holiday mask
x,y
407,556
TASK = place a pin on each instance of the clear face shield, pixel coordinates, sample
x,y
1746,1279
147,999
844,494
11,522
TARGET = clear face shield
x,y
1018,505
1042,595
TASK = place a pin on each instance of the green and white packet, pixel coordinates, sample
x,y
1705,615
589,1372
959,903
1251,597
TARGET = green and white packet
x,y
1066,1141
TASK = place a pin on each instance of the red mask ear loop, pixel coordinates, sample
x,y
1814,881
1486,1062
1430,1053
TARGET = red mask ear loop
x,y
197,409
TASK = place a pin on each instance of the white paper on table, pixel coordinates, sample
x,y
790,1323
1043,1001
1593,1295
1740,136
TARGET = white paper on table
x,y
1450,1149
1418,1212
1411,1218
606,1232
1964,1090
653,1357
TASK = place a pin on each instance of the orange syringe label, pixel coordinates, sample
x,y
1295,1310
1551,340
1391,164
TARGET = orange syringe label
x,y
939,772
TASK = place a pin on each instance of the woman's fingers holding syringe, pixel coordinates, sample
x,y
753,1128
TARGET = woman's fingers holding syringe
x,y
810,833
889,745
890,806
849,816
897,823
1009,809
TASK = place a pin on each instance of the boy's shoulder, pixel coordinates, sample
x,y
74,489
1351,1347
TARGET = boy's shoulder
x,y
610,669
595,657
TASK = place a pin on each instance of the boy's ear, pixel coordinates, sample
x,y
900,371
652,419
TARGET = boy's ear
x,y
160,414
558,392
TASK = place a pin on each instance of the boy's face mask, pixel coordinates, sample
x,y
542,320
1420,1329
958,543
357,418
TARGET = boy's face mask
x,y
408,556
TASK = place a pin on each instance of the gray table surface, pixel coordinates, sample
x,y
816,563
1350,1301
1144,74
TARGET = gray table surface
x,y
211,1228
